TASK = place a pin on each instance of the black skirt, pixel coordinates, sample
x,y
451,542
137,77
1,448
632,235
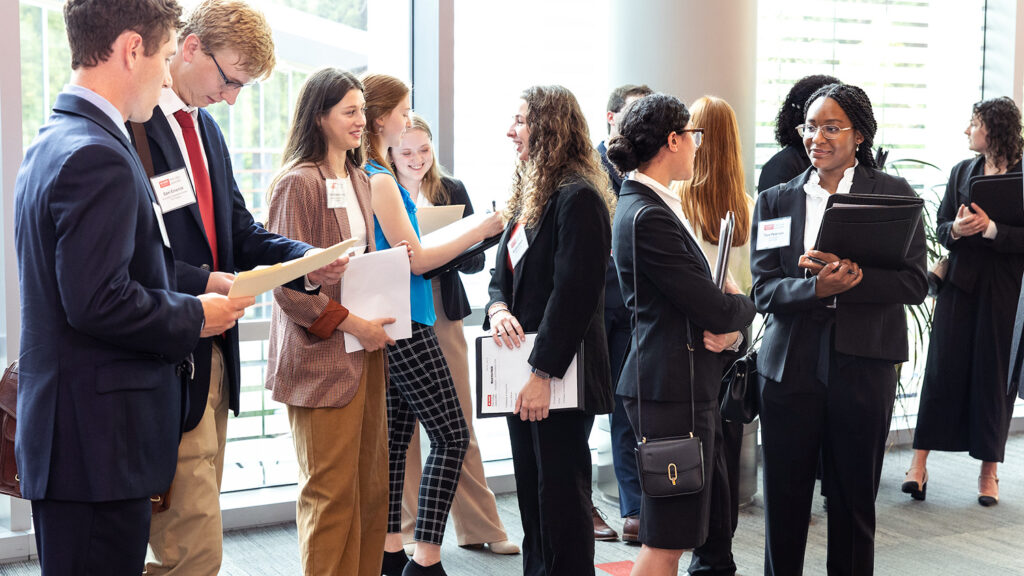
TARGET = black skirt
x,y
680,522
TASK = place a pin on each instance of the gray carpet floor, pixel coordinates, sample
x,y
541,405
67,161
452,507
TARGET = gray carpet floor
x,y
949,533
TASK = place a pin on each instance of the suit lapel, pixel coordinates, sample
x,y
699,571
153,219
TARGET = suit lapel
x,y
158,129
793,201
863,181
531,236
634,187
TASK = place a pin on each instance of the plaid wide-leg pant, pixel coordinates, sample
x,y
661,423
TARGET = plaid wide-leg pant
x,y
421,388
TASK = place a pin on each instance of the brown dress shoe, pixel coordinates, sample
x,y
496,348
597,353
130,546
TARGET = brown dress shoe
x,y
631,529
602,531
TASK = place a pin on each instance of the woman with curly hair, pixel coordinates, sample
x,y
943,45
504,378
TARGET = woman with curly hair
x,y
792,160
549,279
964,405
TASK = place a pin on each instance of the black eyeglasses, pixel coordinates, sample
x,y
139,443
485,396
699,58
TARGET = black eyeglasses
x,y
229,84
698,135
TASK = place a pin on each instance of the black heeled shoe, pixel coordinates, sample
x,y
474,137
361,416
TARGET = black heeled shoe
x,y
394,563
988,498
414,569
916,490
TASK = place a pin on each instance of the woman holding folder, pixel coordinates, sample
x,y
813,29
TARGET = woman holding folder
x,y
964,405
421,386
335,398
474,510
837,329
549,279
679,308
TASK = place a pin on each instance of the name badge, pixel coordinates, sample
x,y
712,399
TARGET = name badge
x,y
173,190
160,223
337,193
517,245
774,233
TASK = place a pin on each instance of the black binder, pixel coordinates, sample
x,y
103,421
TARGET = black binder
x,y
870,229
470,252
1000,196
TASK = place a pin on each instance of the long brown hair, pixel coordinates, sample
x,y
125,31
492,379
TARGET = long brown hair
x,y
306,142
431,186
718,184
383,94
560,150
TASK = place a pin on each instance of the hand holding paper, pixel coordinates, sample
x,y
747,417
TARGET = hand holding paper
x,y
377,286
256,282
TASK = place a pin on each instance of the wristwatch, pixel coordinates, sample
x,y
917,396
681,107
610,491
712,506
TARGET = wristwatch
x,y
540,373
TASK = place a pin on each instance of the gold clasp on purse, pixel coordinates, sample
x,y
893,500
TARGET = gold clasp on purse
x,y
673,473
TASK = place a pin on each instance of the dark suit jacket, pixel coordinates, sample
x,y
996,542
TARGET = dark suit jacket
x,y
99,401
612,293
453,294
676,291
242,244
557,289
785,165
870,319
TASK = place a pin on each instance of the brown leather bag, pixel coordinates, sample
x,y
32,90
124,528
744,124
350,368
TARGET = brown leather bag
x,y
10,482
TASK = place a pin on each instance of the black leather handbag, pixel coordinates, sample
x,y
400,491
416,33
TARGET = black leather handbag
x,y
739,403
672,466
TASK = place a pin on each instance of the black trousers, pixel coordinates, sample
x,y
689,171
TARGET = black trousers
x,y
91,538
553,485
618,330
847,420
714,556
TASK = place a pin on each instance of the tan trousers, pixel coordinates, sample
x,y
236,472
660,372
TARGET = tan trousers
x,y
342,508
186,539
474,513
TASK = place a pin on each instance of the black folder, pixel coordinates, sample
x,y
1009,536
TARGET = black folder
x,y
470,252
1000,196
869,229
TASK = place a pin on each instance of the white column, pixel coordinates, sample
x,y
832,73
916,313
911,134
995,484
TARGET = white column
x,y
690,48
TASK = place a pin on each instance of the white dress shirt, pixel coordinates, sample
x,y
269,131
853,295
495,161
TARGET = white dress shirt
x,y
100,102
817,198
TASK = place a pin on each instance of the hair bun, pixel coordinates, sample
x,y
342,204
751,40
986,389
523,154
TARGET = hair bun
x,y
622,155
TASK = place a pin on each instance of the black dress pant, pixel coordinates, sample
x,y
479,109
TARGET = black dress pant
x,y
619,331
847,420
553,485
92,538
714,556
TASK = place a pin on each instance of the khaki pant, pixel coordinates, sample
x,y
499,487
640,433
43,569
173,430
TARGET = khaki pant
x,y
341,511
186,540
474,512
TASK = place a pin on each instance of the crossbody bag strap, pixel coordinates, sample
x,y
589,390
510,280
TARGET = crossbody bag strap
x,y
636,344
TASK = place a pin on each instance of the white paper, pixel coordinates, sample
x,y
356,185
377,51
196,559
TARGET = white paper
x,y
774,233
504,372
260,280
453,231
376,285
433,218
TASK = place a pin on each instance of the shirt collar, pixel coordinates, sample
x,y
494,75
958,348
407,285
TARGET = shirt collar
x,y
813,187
170,103
667,195
100,102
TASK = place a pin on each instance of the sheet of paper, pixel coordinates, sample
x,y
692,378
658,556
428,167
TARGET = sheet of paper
x,y
453,230
376,285
260,280
504,371
433,218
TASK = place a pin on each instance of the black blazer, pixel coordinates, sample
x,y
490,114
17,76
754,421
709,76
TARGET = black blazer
x,y
870,320
971,257
675,290
453,293
242,244
785,165
557,288
612,293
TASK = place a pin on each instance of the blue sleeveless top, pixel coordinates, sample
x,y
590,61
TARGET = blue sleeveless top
x,y
420,291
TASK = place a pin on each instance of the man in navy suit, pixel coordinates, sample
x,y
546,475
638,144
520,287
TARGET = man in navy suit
x,y
104,336
224,45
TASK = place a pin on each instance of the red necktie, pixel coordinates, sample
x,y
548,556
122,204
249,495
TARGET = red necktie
x,y
200,179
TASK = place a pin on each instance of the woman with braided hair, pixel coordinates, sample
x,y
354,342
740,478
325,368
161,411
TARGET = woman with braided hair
x,y
826,365
964,405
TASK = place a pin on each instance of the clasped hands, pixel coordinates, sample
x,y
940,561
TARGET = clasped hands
x,y
835,275
968,222
719,342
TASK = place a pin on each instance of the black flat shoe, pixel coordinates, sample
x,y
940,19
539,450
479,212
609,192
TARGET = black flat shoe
x,y
394,563
916,490
414,569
